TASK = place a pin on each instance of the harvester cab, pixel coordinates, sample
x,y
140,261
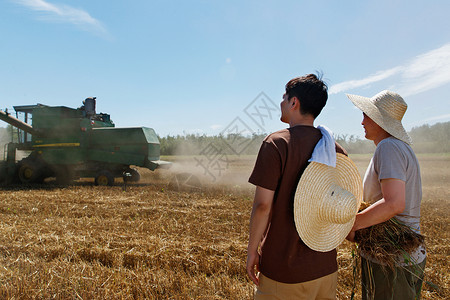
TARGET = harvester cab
x,y
69,143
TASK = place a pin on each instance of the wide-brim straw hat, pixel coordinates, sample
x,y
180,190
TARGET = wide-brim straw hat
x,y
387,110
326,203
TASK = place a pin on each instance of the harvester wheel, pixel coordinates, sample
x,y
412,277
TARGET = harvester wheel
x,y
104,178
29,173
3,172
132,176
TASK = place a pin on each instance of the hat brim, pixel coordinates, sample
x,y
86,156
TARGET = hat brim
x,y
317,234
392,126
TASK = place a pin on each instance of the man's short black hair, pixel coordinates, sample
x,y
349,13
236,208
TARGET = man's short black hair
x,y
311,91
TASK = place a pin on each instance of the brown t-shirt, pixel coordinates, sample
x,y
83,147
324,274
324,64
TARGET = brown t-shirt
x,y
281,161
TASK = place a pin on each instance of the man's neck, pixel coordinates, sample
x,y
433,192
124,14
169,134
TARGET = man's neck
x,y
302,120
381,137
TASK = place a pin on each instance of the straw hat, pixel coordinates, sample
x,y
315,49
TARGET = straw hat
x,y
386,109
326,202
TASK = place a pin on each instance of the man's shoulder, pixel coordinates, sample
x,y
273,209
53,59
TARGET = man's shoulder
x,y
277,135
394,150
296,132
392,144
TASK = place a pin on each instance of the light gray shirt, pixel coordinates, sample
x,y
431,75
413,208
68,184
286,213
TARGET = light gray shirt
x,y
394,158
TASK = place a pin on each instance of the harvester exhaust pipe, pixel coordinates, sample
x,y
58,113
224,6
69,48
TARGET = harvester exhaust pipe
x,y
16,122
89,106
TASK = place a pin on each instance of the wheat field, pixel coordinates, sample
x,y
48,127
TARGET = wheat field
x,y
154,240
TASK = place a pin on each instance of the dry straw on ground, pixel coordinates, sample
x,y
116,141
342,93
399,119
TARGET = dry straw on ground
x,y
148,242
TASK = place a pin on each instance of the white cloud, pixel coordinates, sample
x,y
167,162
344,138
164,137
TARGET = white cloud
x,y
351,84
194,131
65,14
215,126
425,72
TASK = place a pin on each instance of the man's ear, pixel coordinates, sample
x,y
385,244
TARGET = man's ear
x,y
295,103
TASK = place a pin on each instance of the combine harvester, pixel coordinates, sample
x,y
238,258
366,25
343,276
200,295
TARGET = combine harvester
x,y
69,143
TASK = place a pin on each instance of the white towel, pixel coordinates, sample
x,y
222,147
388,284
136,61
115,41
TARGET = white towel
x,y
325,150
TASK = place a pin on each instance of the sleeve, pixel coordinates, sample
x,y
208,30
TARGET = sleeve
x,y
389,162
267,170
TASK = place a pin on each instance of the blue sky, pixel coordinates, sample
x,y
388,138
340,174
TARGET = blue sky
x,y
197,66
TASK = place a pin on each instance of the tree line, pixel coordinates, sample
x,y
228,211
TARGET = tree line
x,y
195,144
426,139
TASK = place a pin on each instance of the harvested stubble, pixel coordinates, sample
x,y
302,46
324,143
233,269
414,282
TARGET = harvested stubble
x,y
102,243
85,242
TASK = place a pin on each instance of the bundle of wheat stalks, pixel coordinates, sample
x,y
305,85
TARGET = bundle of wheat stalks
x,y
388,241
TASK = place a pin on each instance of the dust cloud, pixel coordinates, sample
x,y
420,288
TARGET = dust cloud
x,y
213,167
5,138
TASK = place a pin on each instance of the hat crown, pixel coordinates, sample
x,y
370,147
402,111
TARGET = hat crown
x,y
339,206
391,104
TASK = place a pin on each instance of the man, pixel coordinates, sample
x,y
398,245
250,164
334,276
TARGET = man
x,y
392,185
288,268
